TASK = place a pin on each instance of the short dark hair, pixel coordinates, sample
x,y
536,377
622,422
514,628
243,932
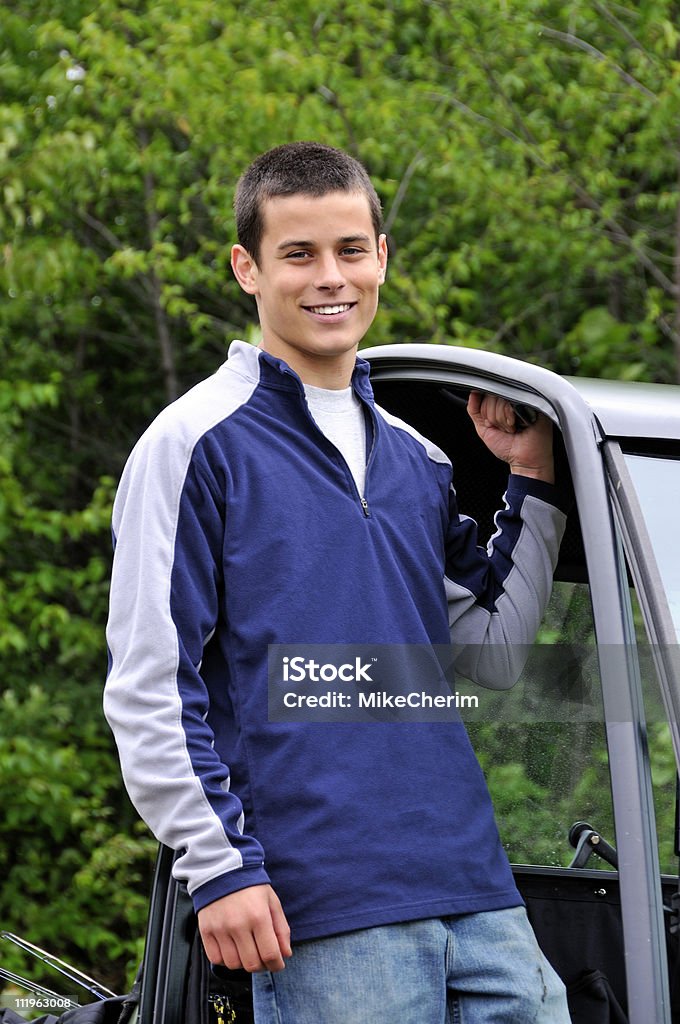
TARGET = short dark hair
x,y
297,168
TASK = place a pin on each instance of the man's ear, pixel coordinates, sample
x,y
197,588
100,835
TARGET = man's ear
x,y
382,257
245,269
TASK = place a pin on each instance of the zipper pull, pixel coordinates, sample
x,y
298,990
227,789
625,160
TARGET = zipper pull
x,y
364,505
224,1011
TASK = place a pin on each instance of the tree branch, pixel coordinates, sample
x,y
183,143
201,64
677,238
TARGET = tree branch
x,y
621,235
391,216
625,32
101,229
332,99
580,44
527,312
163,335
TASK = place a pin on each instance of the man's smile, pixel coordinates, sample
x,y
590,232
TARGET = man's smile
x,y
330,310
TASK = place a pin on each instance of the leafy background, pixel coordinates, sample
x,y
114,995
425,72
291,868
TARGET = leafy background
x,y
526,152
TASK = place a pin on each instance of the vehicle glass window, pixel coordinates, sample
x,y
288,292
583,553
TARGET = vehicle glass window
x,y
660,746
662,761
657,483
542,745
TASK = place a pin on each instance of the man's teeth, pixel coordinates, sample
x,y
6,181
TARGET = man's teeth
x,y
329,310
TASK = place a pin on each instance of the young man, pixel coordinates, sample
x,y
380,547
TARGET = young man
x,y
275,504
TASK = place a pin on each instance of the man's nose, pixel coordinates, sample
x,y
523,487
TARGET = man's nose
x,y
330,275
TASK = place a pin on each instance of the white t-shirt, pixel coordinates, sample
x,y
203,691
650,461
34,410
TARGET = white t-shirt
x,y
340,416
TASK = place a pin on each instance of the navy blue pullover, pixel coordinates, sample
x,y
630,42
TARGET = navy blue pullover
x,y
238,526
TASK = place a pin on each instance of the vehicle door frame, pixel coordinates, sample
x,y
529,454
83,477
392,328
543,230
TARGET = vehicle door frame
x,y
167,949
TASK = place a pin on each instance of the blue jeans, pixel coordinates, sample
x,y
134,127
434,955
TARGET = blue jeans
x,y
469,969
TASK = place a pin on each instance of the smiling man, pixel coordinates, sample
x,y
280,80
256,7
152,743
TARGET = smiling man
x,y
276,504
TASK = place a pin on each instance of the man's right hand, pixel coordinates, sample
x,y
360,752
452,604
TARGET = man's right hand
x,y
246,929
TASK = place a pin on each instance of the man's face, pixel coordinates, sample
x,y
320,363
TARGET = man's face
x,y
316,281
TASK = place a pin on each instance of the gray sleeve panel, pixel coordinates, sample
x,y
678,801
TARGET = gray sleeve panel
x,y
491,647
142,701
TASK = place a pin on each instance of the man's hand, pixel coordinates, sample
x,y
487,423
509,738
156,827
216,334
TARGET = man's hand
x,y
528,452
246,929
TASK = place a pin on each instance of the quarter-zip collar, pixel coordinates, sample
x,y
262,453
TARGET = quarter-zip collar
x,y
270,371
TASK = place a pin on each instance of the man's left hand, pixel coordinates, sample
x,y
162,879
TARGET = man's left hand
x,y
528,452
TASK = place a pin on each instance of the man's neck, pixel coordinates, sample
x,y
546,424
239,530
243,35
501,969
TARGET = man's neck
x,y
333,373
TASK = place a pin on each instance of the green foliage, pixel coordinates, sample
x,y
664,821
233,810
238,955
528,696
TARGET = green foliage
x,y
74,862
523,152
527,157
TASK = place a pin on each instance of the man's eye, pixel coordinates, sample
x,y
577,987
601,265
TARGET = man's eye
x,y
299,254
352,250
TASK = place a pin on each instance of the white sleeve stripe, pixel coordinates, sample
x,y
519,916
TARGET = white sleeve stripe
x,y
143,682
